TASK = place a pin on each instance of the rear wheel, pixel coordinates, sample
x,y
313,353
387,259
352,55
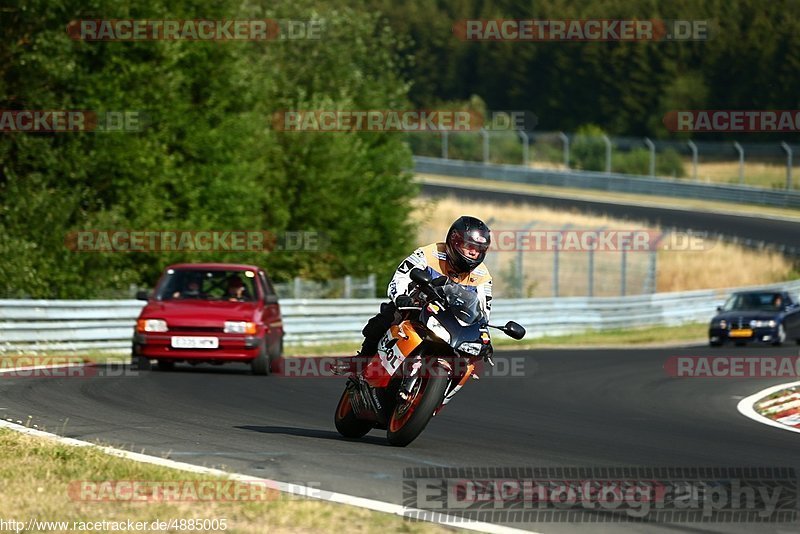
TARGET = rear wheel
x,y
411,416
346,422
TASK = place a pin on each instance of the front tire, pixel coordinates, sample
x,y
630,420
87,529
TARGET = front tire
x,y
410,418
780,337
262,363
140,363
345,420
166,365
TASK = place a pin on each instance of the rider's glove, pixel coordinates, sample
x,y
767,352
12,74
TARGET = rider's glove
x,y
487,352
403,301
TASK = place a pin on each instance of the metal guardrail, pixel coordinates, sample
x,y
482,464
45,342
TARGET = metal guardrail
x,y
620,183
108,324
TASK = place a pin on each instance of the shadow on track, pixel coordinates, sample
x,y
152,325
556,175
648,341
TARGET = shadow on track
x,y
313,433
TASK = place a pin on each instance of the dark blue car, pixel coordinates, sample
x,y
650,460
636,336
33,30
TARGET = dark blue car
x,y
756,316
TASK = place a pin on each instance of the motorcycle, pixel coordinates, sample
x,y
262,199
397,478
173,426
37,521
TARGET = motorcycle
x,y
421,363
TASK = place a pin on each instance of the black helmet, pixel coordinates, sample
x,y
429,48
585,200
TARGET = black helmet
x,y
467,231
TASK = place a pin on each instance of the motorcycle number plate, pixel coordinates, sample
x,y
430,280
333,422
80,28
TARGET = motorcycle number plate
x,y
390,354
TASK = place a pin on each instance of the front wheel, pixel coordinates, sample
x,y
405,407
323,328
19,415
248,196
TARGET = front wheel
x,y
262,363
780,337
346,422
411,417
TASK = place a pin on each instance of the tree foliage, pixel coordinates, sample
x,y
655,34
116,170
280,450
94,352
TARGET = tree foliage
x,y
208,157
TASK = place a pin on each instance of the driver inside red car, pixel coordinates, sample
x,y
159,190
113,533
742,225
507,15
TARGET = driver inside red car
x,y
236,289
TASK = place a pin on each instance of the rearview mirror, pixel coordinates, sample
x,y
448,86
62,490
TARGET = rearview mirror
x,y
420,276
142,295
514,330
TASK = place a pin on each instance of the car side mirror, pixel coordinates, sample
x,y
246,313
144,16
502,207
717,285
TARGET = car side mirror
x,y
421,276
142,295
271,299
719,308
514,330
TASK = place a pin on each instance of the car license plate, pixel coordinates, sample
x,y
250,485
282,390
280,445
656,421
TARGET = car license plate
x,y
194,342
741,332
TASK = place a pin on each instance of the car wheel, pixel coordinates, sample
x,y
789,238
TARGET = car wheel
x,y
140,363
717,343
166,365
780,337
262,363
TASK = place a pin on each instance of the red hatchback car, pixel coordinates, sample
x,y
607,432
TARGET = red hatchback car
x,y
210,313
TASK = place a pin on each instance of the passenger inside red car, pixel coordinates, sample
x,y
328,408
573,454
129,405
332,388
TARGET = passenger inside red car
x,y
236,289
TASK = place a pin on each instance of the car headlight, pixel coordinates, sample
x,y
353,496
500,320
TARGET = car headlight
x,y
437,328
151,325
762,324
723,324
239,327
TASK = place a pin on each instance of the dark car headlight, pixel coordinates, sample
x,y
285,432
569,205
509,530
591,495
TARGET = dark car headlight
x,y
722,323
755,323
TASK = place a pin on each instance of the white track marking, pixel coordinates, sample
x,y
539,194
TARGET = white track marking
x,y
745,407
294,489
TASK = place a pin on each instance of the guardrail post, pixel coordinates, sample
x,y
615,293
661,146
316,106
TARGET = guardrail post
x,y
740,150
445,144
485,138
526,145
693,147
788,149
624,272
652,147
607,141
296,292
565,141
590,252
348,286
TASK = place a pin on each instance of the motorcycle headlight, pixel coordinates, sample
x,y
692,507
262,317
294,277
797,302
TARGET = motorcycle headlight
x,y
151,325
437,328
471,348
762,324
239,327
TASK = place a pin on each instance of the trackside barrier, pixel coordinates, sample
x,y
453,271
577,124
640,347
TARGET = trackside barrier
x,y
620,183
108,324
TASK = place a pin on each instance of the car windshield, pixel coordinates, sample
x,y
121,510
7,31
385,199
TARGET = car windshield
x,y
754,301
205,284
464,303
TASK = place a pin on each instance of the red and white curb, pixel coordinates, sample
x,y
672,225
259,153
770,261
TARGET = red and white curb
x,y
293,489
786,402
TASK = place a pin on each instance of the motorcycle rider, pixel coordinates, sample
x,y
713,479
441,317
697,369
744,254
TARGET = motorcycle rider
x,y
459,258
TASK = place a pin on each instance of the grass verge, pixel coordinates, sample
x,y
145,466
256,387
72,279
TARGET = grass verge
x,y
651,335
37,473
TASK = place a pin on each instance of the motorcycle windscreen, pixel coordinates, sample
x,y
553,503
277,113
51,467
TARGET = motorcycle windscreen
x,y
463,303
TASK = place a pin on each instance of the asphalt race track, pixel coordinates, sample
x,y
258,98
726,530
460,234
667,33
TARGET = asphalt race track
x,y
570,408
775,232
